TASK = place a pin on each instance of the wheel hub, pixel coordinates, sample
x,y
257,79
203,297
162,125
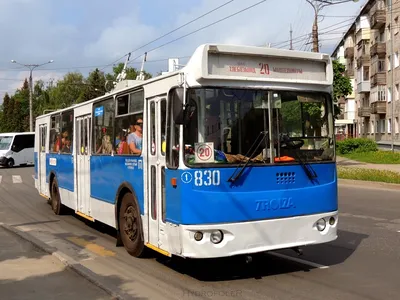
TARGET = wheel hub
x,y
130,226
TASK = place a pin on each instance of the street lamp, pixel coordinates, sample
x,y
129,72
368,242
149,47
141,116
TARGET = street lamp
x,y
318,5
31,68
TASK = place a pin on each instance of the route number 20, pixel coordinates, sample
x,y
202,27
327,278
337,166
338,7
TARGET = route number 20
x,y
207,178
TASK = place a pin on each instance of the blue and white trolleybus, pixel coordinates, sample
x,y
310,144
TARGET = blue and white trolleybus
x,y
232,154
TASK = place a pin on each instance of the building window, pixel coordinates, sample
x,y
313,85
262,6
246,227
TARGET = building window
x,y
389,94
389,128
389,64
396,59
381,93
381,65
397,92
396,125
383,126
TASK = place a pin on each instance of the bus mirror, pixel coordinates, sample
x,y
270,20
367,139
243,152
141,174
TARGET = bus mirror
x,y
177,105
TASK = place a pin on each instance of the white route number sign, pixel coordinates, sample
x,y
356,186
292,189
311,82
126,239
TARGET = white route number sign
x,y
204,152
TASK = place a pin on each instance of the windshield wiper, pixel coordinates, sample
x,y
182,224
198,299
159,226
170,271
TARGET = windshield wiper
x,y
234,177
308,169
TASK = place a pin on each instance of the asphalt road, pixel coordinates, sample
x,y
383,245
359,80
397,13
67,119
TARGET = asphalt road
x,y
363,263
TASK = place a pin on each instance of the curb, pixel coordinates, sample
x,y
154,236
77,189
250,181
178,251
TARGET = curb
x,y
66,260
369,184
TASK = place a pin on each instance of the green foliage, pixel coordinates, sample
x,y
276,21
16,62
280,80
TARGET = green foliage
x,y
341,83
71,89
368,174
358,145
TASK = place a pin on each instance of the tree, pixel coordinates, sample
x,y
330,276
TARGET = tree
x,y
72,88
341,84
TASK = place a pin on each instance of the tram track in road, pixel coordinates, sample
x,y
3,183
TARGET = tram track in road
x,y
281,276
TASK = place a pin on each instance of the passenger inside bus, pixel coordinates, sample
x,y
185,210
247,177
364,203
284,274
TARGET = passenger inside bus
x,y
106,145
135,137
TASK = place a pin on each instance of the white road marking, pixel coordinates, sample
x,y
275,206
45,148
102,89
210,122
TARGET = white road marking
x,y
302,261
398,231
1,178
33,176
16,179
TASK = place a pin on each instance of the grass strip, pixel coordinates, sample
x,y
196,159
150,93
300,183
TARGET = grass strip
x,y
368,174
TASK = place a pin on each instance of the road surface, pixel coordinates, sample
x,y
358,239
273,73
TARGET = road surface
x,y
363,263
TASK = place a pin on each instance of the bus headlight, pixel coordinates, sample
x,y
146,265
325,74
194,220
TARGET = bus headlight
x,y
216,237
321,224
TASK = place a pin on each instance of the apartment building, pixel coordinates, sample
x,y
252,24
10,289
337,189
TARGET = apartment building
x,y
365,50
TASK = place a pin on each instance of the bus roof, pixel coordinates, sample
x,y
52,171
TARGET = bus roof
x,y
241,63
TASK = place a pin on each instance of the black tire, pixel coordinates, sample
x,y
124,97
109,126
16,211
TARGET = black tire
x,y
130,226
55,200
10,163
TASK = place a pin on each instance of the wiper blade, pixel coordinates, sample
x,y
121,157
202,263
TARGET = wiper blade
x,y
308,169
234,177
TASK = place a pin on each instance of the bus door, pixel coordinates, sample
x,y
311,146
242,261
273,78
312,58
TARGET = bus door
x,y
42,159
156,143
82,163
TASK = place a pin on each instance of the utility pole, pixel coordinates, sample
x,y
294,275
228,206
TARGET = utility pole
x,y
291,37
318,5
31,68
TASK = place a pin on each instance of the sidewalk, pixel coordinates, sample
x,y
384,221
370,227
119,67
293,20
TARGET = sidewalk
x,y
28,273
344,162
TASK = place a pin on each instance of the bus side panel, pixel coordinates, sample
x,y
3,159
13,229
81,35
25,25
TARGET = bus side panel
x,y
63,166
173,196
107,173
261,193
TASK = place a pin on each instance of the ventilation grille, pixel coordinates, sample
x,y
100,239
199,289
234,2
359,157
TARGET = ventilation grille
x,y
285,177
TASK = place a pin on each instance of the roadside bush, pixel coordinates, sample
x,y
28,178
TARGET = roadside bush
x,y
356,145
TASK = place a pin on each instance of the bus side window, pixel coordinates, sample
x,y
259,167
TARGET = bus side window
x,y
103,130
172,147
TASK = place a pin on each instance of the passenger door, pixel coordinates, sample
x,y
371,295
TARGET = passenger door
x,y
156,128
42,159
82,163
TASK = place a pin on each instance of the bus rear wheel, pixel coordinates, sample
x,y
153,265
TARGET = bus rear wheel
x,y
130,226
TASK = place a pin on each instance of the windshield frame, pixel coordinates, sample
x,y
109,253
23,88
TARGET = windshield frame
x,y
329,103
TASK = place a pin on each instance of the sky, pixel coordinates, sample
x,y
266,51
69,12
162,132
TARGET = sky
x,y
82,35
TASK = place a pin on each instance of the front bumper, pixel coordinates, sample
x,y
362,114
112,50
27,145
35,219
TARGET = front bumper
x,y
257,236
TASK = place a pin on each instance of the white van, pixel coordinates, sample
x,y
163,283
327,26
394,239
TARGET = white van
x,y
17,148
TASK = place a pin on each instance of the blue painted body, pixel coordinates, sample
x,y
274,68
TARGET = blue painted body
x,y
261,193
64,170
107,173
35,161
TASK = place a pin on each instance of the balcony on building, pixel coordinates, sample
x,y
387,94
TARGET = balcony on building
x,y
363,60
378,107
378,78
379,48
363,87
364,111
349,52
378,17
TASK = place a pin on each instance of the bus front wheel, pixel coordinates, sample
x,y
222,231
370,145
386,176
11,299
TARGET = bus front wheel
x,y
130,226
